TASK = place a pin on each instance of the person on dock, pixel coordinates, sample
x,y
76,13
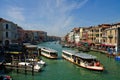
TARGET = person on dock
x,y
109,51
115,51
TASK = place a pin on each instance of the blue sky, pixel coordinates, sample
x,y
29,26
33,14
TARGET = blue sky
x,y
58,17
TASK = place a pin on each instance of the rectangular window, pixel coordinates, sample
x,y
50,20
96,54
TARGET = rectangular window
x,y
6,34
6,26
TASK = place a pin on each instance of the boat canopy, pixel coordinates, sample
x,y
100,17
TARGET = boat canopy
x,y
85,56
48,49
13,52
81,55
40,47
31,46
70,52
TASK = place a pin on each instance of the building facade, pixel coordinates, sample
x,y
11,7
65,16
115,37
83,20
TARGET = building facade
x,y
33,36
113,36
76,35
100,36
8,32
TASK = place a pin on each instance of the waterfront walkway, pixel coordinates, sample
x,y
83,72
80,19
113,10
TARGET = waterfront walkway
x,y
99,50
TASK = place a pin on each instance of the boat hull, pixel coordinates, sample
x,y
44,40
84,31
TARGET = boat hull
x,y
95,68
48,56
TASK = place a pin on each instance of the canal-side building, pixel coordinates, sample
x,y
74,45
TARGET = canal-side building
x,y
28,36
8,32
81,33
42,35
113,37
54,38
100,37
33,36
85,35
76,35
65,39
20,31
71,37
104,34
97,36
91,35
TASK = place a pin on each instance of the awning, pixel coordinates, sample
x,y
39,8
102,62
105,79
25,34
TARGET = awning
x,y
107,45
97,44
14,52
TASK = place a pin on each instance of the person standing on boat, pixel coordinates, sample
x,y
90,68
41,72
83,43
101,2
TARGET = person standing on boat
x,y
97,63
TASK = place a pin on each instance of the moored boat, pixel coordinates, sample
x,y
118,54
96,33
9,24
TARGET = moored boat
x,y
49,53
117,58
83,60
38,61
37,68
41,62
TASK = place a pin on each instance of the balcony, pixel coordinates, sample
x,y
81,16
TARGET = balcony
x,y
84,38
104,36
110,36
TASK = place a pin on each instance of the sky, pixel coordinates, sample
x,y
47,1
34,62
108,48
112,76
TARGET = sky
x,y
58,17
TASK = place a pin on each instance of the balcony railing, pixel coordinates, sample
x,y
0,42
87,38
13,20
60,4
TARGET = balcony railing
x,y
110,36
104,36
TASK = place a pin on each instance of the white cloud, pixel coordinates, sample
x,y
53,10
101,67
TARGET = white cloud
x,y
59,14
16,13
52,16
80,4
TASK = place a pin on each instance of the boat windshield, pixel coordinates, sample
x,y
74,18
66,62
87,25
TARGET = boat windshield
x,y
53,54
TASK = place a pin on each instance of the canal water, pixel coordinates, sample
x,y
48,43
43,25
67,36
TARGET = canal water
x,y
63,70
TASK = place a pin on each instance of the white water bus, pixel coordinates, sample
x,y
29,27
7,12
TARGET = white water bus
x,y
49,53
83,60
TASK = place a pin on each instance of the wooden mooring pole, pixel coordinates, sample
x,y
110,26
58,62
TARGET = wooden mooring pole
x,y
17,68
25,69
32,70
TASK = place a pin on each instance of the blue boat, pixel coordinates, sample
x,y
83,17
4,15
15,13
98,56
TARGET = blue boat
x,y
117,58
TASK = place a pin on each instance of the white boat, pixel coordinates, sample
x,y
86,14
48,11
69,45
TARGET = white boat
x,y
38,61
83,60
41,62
49,53
36,66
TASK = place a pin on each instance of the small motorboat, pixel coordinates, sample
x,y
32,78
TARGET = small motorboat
x,y
36,66
38,61
41,62
117,58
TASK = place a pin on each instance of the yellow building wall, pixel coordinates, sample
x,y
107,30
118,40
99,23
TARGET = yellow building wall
x,y
111,32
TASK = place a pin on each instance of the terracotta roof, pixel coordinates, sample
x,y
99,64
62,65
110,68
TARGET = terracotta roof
x,y
33,31
117,23
4,20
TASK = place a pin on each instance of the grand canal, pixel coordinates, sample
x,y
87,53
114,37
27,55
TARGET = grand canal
x,y
63,70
